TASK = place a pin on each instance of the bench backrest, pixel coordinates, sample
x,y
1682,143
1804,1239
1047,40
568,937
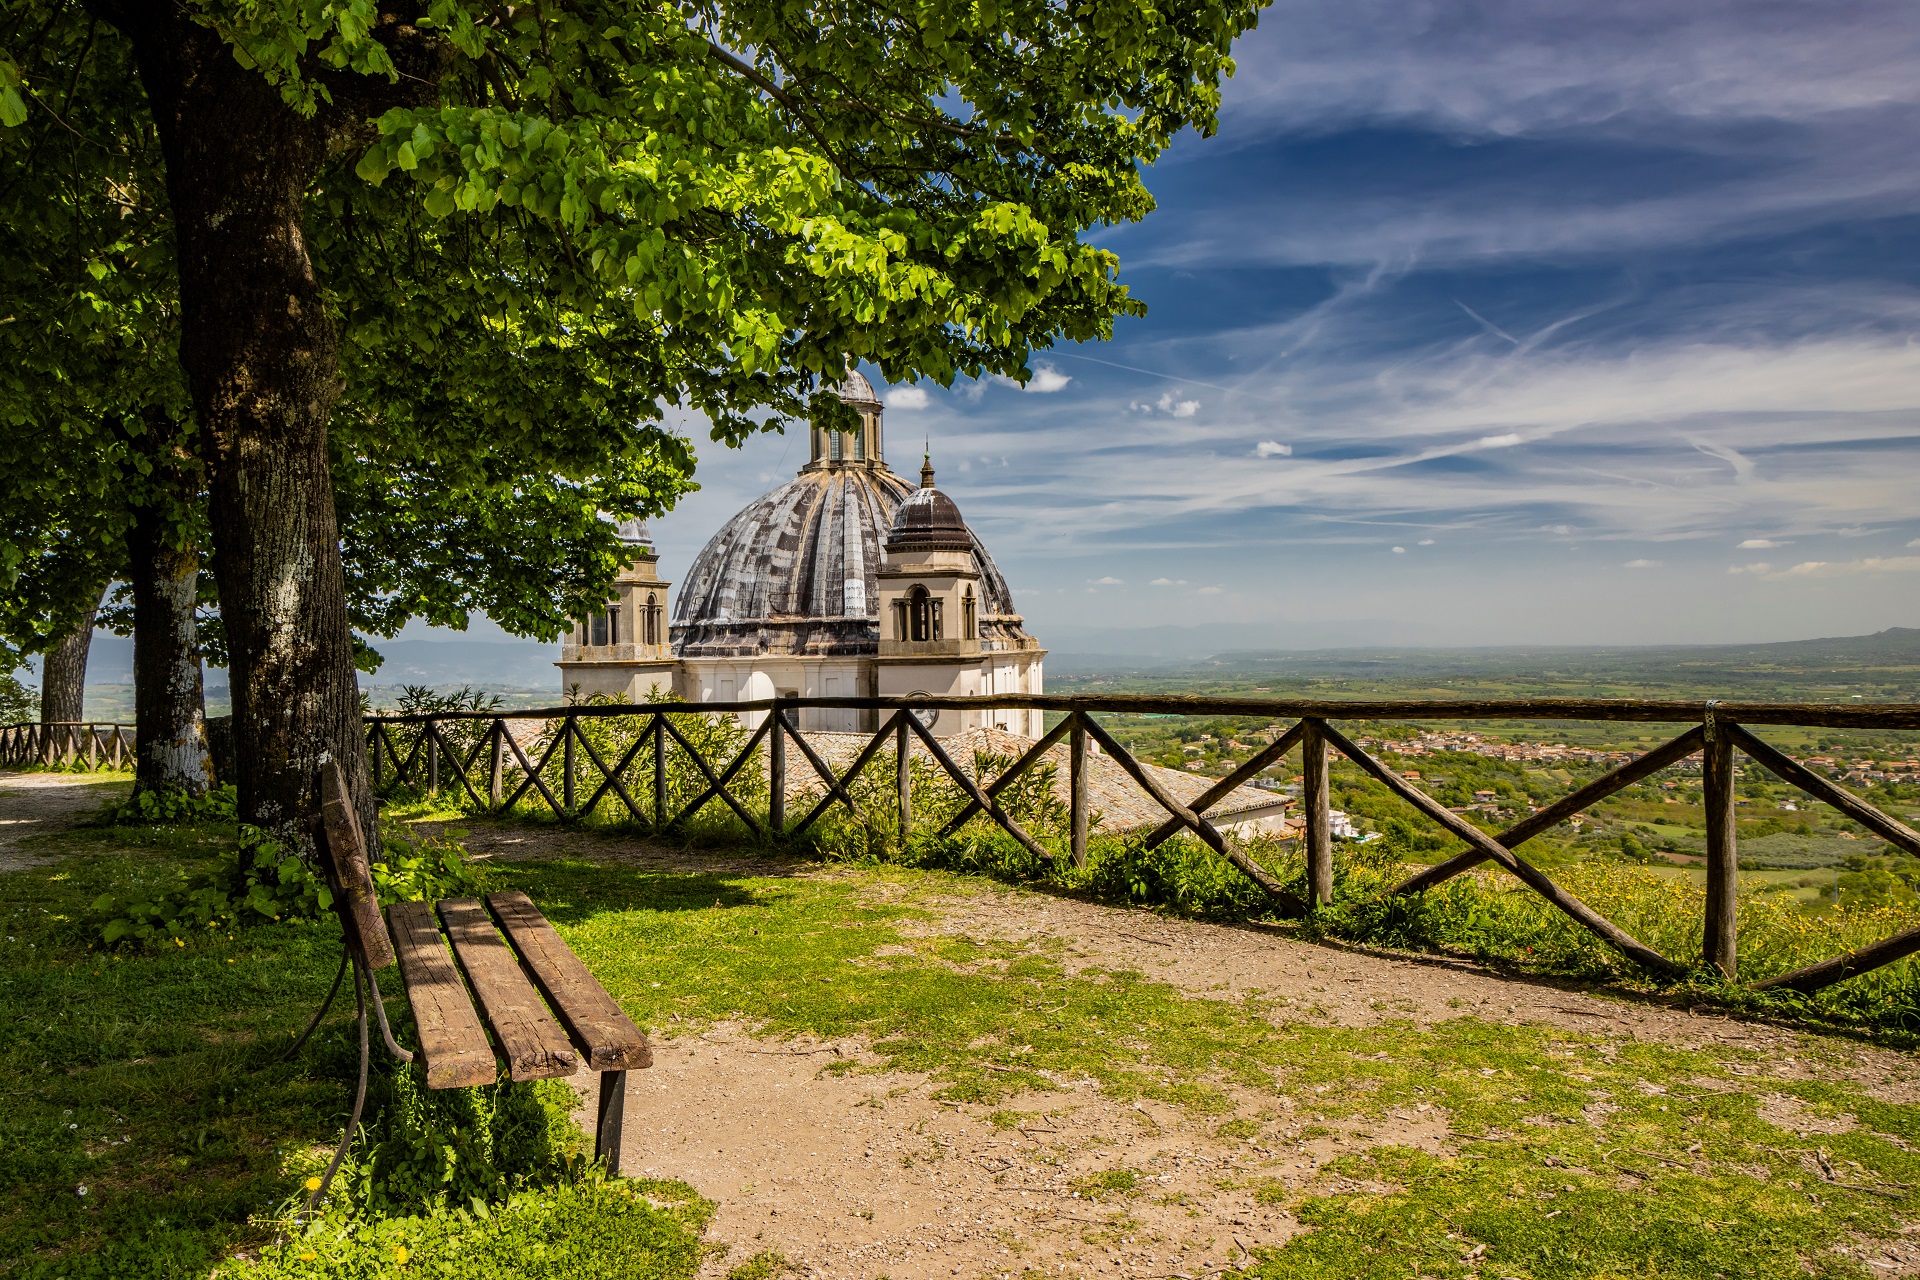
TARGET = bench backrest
x,y
345,855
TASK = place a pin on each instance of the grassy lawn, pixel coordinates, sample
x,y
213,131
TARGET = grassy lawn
x,y
148,1079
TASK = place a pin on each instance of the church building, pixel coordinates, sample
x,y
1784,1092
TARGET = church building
x,y
846,581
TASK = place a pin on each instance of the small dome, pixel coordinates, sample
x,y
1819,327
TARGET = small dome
x,y
633,533
856,390
929,519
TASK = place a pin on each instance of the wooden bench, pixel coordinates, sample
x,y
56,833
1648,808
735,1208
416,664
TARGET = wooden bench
x,y
499,967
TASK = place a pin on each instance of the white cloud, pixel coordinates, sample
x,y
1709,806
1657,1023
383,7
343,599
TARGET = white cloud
x,y
1399,551
1914,543
1641,564
1168,582
1272,449
1425,542
1506,441
1847,568
1758,570
1761,544
1046,379
1501,71
1561,530
907,398
1107,582
1209,591
1178,408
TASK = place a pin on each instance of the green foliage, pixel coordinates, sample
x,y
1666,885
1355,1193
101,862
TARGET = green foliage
x,y
427,1150
155,806
585,1231
260,881
18,704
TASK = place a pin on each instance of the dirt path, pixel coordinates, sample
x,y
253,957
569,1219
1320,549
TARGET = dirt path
x,y
867,1175
37,804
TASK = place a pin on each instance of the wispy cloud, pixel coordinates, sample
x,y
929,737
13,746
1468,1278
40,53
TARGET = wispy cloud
x,y
907,398
1272,449
1643,564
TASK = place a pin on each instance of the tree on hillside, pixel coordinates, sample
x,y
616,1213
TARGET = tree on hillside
x,y
741,196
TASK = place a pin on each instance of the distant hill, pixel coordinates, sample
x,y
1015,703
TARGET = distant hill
x,y
1884,666
1896,648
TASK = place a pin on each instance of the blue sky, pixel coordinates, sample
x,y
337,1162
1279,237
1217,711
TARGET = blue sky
x,y
1533,322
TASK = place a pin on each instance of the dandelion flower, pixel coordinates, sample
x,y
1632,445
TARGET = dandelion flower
x,y
313,1183
400,1254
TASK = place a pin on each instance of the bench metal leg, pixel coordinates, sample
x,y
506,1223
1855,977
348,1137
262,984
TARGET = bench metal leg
x,y
613,1109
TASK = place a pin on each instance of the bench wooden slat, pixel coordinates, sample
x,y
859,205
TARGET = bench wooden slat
x,y
452,1040
535,1046
598,1024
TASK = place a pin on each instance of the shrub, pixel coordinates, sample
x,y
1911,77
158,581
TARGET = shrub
x,y
427,1150
261,881
174,804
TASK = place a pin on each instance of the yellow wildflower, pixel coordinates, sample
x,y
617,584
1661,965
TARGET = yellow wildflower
x,y
313,1183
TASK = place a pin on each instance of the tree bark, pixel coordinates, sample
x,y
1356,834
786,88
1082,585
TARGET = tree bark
x,y
262,362
63,672
170,730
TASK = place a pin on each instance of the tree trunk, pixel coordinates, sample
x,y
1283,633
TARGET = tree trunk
x,y
63,673
262,362
168,693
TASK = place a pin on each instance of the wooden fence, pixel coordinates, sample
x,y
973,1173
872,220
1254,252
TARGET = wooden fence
x,y
67,743
1715,730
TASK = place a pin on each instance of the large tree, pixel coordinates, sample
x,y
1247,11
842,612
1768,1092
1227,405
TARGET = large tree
x,y
735,197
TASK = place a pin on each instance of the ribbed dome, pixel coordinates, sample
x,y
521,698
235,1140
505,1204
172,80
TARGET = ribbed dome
x,y
856,390
929,520
798,570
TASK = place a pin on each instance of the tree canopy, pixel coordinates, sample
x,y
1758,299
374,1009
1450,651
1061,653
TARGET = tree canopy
x,y
483,249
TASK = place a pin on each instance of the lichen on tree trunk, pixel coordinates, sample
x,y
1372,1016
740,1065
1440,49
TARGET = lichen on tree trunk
x,y
170,730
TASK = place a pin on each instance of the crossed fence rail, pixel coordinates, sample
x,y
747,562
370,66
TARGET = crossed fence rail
x,y
1714,730
68,743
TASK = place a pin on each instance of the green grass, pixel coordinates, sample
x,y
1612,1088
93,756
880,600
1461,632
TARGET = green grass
x,y
146,1129
1581,1156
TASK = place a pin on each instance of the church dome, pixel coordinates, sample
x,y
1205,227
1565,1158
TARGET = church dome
x,y
797,571
928,520
857,391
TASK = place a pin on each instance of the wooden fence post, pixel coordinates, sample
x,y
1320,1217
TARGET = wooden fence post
x,y
1077,788
777,772
903,774
567,732
659,770
1313,799
433,757
1719,939
496,778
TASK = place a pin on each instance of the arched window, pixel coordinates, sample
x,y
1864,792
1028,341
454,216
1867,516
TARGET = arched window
x,y
920,607
652,620
606,626
860,443
969,619
900,620
836,445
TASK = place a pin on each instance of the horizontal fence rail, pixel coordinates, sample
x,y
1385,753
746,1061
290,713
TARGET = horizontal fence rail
x,y
676,770
72,743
